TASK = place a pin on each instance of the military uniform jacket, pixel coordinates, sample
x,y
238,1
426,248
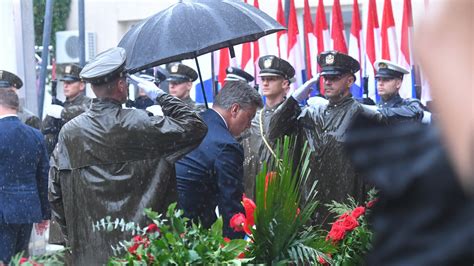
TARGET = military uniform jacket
x,y
197,108
114,162
397,109
51,126
324,127
255,149
29,118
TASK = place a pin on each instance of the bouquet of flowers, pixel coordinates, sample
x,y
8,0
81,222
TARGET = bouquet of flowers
x,y
349,234
176,240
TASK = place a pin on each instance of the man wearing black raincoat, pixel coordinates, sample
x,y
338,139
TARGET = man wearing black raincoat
x,y
324,127
115,162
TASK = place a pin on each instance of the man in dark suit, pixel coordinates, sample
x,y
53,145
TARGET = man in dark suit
x,y
211,175
23,177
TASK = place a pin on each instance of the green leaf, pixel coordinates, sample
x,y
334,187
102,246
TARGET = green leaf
x,y
193,256
216,228
235,246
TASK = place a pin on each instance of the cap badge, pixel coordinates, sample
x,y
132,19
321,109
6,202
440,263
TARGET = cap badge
x,y
230,69
382,65
329,59
67,70
268,62
174,68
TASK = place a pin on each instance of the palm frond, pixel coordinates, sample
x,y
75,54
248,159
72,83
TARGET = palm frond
x,y
278,216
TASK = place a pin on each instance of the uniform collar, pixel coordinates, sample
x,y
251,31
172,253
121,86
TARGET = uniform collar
x,y
343,102
78,98
104,103
394,100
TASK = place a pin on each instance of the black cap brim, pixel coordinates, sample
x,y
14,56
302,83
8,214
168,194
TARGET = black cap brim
x,y
70,78
179,79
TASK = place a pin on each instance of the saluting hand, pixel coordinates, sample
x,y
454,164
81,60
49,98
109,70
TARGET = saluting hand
x,y
151,90
302,92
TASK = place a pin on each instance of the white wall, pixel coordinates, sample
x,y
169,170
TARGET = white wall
x,y
17,49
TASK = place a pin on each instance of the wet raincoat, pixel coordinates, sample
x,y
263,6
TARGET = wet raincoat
x,y
324,127
50,129
115,162
255,149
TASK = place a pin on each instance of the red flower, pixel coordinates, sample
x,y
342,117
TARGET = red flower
x,y
152,228
322,261
237,222
151,259
348,222
358,212
133,248
226,239
337,232
23,260
249,207
371,203
241,255
137,239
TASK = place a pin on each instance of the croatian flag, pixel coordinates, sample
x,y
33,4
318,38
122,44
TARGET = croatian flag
x,y
295,57
372,47
389,34
282,36
246,62
406,52
321,32
338,38
259,47
309,40
355,49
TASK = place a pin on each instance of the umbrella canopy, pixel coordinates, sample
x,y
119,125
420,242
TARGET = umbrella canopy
x,y
188,29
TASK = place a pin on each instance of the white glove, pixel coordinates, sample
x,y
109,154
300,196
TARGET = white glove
x,y
317,101
302,92
54,110
371,107
155,110
426,118
151,90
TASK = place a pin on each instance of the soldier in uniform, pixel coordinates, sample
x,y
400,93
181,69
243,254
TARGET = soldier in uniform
x,y
237,74
181,78
276,75
109,161
324,127
389,78
10,80
60,113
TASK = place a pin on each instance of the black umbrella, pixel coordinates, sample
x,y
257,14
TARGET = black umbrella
x,y
188,29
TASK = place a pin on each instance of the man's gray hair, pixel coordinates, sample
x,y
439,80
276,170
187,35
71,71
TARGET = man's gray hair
x,y
9,99
238,92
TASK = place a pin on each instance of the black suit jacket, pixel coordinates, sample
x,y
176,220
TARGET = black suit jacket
x,y
211,175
